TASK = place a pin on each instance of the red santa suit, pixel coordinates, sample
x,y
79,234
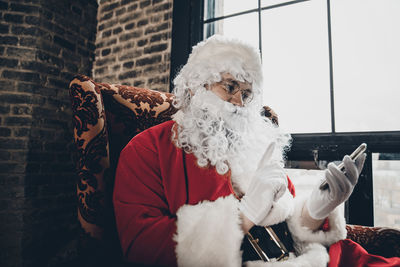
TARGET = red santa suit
x,y
169,211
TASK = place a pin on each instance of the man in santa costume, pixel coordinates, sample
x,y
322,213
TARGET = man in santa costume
x,y
188,190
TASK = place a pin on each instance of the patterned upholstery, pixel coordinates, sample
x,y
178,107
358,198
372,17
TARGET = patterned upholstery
x,y
376,240
105,118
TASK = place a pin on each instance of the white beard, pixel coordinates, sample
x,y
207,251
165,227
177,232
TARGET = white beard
x,y
227,136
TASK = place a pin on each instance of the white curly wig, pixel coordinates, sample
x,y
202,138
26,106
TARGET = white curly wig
x,y
212,57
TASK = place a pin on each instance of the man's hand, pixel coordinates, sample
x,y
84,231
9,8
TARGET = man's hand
x,y
341,184
268,185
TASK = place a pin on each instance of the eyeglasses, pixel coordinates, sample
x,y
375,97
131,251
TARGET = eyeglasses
x,y
231,88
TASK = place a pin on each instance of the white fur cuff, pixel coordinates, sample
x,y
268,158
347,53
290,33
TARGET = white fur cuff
x,y
302,234
209,233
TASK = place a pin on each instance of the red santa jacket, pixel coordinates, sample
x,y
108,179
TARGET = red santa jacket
x,y
150,188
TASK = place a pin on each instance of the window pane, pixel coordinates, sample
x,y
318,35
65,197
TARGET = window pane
x,y
219,8
386,183
296,66
244,27
265,3
366,59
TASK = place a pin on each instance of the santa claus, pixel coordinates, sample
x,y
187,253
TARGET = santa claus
x,y
189,190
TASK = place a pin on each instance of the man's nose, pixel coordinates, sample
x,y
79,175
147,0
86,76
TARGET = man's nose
x,y
237,99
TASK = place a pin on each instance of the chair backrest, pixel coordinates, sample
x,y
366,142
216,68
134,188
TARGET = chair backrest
x,y
105,118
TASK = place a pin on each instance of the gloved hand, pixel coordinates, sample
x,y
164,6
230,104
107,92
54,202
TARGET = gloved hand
x,y
267,185
341,184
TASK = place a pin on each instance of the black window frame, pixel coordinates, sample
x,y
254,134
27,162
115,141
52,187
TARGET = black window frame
x,y
187,30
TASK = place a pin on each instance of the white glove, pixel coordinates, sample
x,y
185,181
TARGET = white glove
x,y
268,185
341,184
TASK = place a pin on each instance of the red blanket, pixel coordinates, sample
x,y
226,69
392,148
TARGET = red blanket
x,y
346,253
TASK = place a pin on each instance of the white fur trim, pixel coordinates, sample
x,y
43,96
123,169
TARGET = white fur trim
x,y
313,255
281,210
302,234
209,233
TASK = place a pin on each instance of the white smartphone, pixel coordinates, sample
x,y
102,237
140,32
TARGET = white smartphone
x,y
356,153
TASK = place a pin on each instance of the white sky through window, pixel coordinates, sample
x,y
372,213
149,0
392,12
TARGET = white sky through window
x,y
366,61
366,45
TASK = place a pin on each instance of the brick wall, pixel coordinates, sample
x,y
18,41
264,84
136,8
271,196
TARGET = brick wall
x,y
133,43
43,43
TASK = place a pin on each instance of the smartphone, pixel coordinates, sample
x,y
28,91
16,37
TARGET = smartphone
x,y
356,153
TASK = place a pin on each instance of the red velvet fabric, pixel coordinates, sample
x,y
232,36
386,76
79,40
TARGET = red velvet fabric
x,y
291,187
347,253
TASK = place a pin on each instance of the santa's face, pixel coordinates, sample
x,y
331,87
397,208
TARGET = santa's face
x,y
223,127
231,90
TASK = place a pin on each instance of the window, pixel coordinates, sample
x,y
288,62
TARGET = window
x,y
305,47
330,72
386,172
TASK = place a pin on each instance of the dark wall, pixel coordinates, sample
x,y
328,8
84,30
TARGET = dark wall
x,y
43,44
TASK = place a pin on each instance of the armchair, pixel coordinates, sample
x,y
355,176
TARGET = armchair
x,y
105,118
